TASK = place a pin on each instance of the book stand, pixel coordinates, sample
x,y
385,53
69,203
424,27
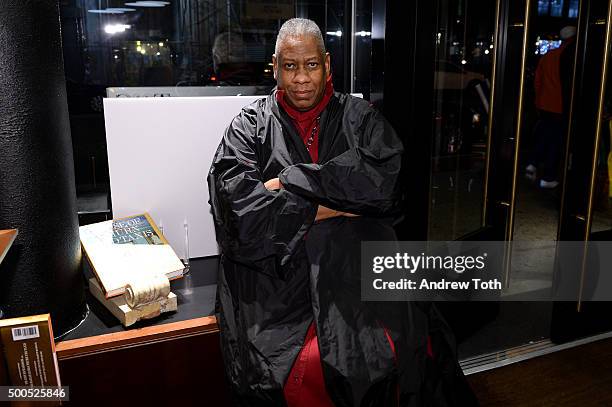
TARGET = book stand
x,y
142,299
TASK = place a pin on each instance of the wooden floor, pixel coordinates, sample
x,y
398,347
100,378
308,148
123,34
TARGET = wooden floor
x,y
580,376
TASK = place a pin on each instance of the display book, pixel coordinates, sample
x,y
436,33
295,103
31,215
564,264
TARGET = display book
x,y
27,352
133,264
27,348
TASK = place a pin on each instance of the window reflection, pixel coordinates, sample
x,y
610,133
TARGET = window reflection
x,y
573,8
184,47
184,42
464,58
556,8
543,7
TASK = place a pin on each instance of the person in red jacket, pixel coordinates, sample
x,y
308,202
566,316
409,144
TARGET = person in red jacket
x,y
552,98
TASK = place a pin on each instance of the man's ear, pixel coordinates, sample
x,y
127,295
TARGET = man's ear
x,y
274,65
328,64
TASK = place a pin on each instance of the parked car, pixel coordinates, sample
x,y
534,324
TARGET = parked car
x,y
450,76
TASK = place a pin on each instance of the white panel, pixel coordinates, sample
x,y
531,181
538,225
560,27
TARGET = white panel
x,y
176,91
159,154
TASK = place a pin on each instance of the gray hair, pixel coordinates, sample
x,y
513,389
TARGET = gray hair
x,y
297,27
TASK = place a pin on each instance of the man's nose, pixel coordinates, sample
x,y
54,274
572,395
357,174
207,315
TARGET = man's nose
x,y
301,76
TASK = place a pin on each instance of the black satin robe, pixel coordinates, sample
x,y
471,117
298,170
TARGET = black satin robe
x,y
280,270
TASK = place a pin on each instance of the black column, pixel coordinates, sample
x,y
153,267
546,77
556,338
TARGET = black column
x,y
410,29
37,193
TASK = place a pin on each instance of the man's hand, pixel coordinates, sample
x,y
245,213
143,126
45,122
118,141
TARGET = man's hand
x,y
273,184
323,212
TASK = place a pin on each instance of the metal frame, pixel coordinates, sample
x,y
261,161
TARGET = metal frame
x,y
602,95
521,353
569,126
485,197
517,142
352,45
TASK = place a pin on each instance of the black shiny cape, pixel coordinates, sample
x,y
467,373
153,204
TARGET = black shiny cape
x,y
280,270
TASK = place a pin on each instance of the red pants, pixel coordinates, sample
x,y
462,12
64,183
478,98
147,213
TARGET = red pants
x,y
305,386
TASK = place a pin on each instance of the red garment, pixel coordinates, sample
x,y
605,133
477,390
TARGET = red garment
x,y
429,348
305,121
548,89
305,386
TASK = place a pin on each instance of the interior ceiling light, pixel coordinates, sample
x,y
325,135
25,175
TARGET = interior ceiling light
x,y
105,11
112,10
121,9
116,28
148,4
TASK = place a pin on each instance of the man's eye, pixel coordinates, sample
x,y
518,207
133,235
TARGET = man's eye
x,y
289,66
313,64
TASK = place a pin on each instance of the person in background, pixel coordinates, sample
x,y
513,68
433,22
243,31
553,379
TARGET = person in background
x,y
230,64
552,99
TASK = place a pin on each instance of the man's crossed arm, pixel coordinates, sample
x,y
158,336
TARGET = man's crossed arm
x,y
323,212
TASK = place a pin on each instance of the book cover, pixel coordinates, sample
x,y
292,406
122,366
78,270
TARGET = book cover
x,y
137,229
7,237
131,247
28,352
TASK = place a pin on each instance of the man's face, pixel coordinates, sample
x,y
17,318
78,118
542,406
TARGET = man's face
x,y
301,70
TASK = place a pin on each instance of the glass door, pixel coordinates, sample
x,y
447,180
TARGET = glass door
x,y
465,61
510,88
463,74
540,154
498,154
586,207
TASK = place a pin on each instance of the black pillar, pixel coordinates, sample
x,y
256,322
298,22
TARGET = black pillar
x,y
41,272
409,101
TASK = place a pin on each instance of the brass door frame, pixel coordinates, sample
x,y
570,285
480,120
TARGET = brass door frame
x,y
602,95
579,34
509,230
485,197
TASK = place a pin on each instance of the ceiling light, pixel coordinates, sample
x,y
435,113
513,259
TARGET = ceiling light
x,y
148,4
105,11
120,9
115,28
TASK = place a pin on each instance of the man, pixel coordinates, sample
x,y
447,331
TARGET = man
x,y
553,79
299,180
